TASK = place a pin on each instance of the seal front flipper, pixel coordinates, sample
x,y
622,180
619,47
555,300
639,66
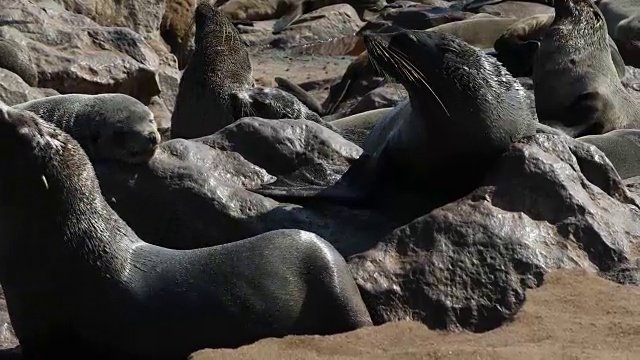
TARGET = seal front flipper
x,y
352,188
284,22
301,94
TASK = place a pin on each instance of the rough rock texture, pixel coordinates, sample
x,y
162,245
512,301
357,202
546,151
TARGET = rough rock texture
x,y
141,16
13,90
73,54
548,203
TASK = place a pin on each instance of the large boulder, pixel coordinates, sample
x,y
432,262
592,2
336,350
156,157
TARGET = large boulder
x,y
73,54
550,202
13,90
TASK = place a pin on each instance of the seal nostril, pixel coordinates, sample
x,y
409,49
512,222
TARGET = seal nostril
x,y
153,138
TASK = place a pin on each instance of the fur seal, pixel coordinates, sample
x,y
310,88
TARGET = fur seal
x,y
217,86
430,144
516,47
219,65
574,80
356,128
623,24
622,148
109,293
107,126
176,29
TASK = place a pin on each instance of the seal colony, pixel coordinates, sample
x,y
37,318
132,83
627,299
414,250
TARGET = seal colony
x,y
108,292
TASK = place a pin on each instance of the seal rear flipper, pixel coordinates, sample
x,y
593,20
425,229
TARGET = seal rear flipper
x,y
301,94
284,22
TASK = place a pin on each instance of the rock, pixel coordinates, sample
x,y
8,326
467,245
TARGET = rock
x,y
8,337
633,185
141,16
420,17
16,57
13,90
73,54
627,273
161,114
550,202
324,24
194,193
516,9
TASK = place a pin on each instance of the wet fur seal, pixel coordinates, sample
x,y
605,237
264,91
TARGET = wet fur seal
x,y
430,144
575,82
107,126
111,294
517,45
217,86
622,148
15,56
176,29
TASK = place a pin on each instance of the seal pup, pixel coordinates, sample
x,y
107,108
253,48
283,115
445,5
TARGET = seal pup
x,y
107,126
108,292
622,148
575,82
464,110
517,45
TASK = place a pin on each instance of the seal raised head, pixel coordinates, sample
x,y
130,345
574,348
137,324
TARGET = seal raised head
x,y
219,65
107,126
464,110
109,293
575,81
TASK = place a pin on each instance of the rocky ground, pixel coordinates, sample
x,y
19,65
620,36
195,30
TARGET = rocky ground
x,y
493,262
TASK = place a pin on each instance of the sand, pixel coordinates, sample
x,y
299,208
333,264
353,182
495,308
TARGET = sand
x,y
574,315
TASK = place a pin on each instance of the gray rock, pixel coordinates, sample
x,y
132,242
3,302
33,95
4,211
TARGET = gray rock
x,y
323,24
550,202
13,90
73,54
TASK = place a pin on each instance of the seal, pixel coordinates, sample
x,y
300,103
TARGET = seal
x,y
357,127
176,28
622,148
107,126
217,86
464,110
623,24
575,82
517,46
112,294
219,65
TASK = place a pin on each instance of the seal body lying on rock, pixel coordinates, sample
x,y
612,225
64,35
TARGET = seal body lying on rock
x,y
464,110
622,148
107,126
575,81
108,292
16,58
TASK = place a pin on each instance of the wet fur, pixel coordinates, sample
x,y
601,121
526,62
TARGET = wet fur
x,y
107,126
112,295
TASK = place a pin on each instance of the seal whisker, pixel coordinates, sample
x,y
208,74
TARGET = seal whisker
x,y
407,66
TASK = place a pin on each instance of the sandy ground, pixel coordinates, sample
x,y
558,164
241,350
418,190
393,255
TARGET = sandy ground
x,y
574,315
